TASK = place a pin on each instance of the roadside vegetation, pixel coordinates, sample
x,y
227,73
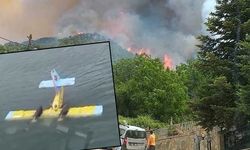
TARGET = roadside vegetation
x,y
144,87
142,121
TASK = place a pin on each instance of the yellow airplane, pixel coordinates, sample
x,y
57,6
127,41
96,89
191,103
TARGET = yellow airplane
x,y
57,108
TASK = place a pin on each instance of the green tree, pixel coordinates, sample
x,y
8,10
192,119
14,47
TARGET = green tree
x,y
218,59
192,77
227,26
142,121
144,87
2,49
244,91
81,39
216,106
13,47
194,80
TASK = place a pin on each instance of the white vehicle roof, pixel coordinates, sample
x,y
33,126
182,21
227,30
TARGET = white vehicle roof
x,y
129,127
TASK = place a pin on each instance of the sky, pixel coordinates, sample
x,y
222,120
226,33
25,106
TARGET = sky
x,y
159,27
208,7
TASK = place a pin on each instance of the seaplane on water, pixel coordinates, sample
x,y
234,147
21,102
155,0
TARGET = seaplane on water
x,y
57,108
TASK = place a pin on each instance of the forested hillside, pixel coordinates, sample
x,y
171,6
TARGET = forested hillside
x,y
117,51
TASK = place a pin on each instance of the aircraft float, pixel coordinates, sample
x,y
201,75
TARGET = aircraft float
x,y
57,109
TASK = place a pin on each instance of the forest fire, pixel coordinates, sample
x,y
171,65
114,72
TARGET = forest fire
x,y
167,62
128,24
140,51
80,33
76,33
143,51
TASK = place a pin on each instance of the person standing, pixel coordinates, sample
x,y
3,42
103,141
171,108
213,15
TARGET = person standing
x,y
151,141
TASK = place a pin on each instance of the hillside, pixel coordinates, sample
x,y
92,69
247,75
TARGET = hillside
x,y
117,51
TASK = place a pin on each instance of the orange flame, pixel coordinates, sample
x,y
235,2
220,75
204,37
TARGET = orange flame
x,y
80,33
140,51
130,49
168,64
74,32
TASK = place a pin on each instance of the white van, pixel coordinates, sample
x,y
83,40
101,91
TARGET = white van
x,y
133,138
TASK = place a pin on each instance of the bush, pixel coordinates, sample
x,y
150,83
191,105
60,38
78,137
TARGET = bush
x,y
142,121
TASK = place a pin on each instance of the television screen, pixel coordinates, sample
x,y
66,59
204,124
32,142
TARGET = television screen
x,y
58,98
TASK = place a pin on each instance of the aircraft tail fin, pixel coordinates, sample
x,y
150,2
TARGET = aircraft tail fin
x,y
54,75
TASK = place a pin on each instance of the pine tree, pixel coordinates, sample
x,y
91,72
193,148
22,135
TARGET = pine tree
x,y
244,92
218,58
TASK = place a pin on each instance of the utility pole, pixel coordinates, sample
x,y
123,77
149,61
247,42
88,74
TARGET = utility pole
x,y
11,41
29,38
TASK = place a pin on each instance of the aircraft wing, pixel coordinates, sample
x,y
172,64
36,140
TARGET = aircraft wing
x,y
60,82
47,83
85,111
65,82
20,115
73,112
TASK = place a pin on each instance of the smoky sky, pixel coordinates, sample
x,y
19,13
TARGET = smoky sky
x,y
163,26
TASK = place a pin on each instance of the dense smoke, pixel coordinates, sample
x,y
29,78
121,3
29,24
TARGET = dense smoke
x,y
19,18
163,26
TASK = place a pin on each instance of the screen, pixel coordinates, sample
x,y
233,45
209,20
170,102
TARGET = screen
x,y
58,98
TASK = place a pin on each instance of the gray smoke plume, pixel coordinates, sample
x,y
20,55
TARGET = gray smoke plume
x,y
163,26
19,18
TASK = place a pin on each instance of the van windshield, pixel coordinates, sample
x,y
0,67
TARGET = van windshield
x,y
122,131
136,134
